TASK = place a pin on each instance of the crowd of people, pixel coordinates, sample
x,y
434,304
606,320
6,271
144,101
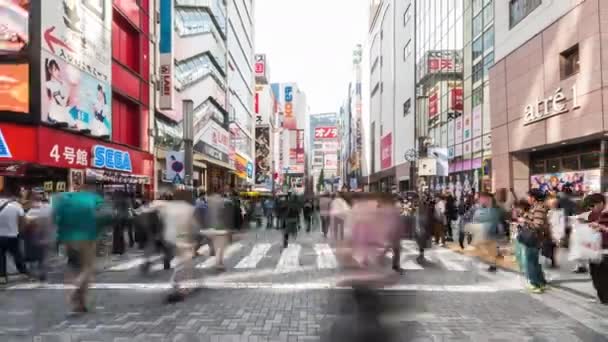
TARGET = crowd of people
x,y
362,226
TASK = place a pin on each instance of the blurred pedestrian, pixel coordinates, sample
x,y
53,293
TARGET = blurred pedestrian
x,y
488,217
339,209
308,212
325,213
292,219
42,233
12,221
599,270
533,231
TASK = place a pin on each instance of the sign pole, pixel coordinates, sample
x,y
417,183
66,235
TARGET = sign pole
x,y
188,107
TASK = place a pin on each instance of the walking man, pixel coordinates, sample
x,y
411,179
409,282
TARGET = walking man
x,y
11,221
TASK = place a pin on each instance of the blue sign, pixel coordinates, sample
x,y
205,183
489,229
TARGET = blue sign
x,y
112,159
288,93
5,152
166,26
250,169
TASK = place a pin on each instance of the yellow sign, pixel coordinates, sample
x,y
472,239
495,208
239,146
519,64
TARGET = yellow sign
x,y
60,186
48,186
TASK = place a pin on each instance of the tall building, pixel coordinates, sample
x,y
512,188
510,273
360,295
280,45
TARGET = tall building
x,y
325,151
241,84
191,65
547,88
293,110
392,94
78,113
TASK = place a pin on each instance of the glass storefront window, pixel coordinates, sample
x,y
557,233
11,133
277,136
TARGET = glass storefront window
x,y
488,13
478,72
488,61
570,163
477,5
553,165
590,161
538,167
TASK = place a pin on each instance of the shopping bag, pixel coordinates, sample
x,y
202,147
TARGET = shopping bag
x,y
585,243
557,221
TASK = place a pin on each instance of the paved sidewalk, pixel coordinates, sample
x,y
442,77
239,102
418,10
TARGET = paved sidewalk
x,y
561,276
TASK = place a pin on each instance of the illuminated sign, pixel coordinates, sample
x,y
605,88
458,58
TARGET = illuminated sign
x,y
110,158
326,132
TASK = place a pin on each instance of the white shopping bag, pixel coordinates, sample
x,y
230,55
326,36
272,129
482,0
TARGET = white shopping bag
x,y
585,243
557,220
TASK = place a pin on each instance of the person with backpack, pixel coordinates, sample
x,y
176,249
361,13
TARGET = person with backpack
x,y
292,218
12,221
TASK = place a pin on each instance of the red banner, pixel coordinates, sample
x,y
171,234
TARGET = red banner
x,y
386,151
433,105
330,132
457,99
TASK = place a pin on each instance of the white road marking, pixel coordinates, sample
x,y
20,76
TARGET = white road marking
x,y
290,259
257,254
161,266
448,262
410,265
132,263
325,256
269,286
230,250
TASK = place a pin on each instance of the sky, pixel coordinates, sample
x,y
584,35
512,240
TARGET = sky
x,y
310,43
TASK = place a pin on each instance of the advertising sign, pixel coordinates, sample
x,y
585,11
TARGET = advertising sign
x,y
444,61
14,27
14,88
441,156
240,166
433,103
466,126
386,151
289,119
326,132
477,121
260,65
79,33
216,136
451,136
167,90
580,182
457,99
477,144
331,161
458,130
175,170
74,98
263,158
458,150
5,151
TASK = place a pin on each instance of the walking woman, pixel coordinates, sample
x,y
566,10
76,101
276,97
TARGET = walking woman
x,y
599,221
533,231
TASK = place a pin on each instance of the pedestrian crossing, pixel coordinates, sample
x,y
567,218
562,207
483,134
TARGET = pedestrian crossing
x,y
305,256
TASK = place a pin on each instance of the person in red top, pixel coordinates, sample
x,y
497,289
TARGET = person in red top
x,y
599,221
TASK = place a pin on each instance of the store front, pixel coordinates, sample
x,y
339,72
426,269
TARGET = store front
x,y
42,157
218,174
548,117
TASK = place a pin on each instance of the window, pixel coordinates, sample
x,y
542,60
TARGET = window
x,y
477,97
477,4
407,106
569,62
590,161
538,167
553,165
519,9
488,40
477,72
570,163
488,13
488,61
477,25
477,48
407,50
407,15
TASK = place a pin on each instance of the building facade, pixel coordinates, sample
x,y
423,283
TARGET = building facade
x,y
190,64
325,151
241,84
81,96
547,90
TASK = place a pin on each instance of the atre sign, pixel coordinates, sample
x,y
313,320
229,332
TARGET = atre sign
x,y
550,106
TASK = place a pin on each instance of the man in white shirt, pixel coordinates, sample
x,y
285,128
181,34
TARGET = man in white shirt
x,y
11,219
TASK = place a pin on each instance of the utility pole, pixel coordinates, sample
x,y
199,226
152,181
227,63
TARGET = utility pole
x,y
187,110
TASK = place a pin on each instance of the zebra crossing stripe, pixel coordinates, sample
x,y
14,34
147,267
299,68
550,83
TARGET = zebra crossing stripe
x,y
230,250
449,264
132,263
290,259
161,266
325,256
257,254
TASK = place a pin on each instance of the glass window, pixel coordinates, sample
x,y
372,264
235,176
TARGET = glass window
x,y
590,161
477,25
407,50
477,97
407,15
477,5
477,48
478,72
570,163
569,62
553,165
488,13
488,39
538,167
519,9
488,61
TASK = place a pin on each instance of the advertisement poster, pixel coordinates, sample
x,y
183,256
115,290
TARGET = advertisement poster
x,y
289,118
74,98
440,154
331,161
14,88
477,144
477,121
580,182
263,159
458,130
386,151
487,144
14,28
174,168
216,136
433,104
240,166
451,135
467,149
458,150
260,65
456,99
466,126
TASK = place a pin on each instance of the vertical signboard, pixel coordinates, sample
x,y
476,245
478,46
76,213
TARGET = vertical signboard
x,y
386,151
260,66
289,118
77,65
263,163
165,48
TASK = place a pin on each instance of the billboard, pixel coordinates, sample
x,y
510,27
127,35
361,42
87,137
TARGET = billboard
x,y
263,158
174,168
74,98
441,155
433,103
77,64
216,136
580,182
289,118
14,88
326,132
386,151
165,47
444,61
260,65
14,28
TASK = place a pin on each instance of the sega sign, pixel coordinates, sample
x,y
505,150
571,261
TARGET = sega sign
x,y
109,158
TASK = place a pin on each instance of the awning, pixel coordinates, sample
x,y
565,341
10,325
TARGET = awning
x,y
104,176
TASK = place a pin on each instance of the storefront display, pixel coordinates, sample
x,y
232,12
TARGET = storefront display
x,y
580,182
